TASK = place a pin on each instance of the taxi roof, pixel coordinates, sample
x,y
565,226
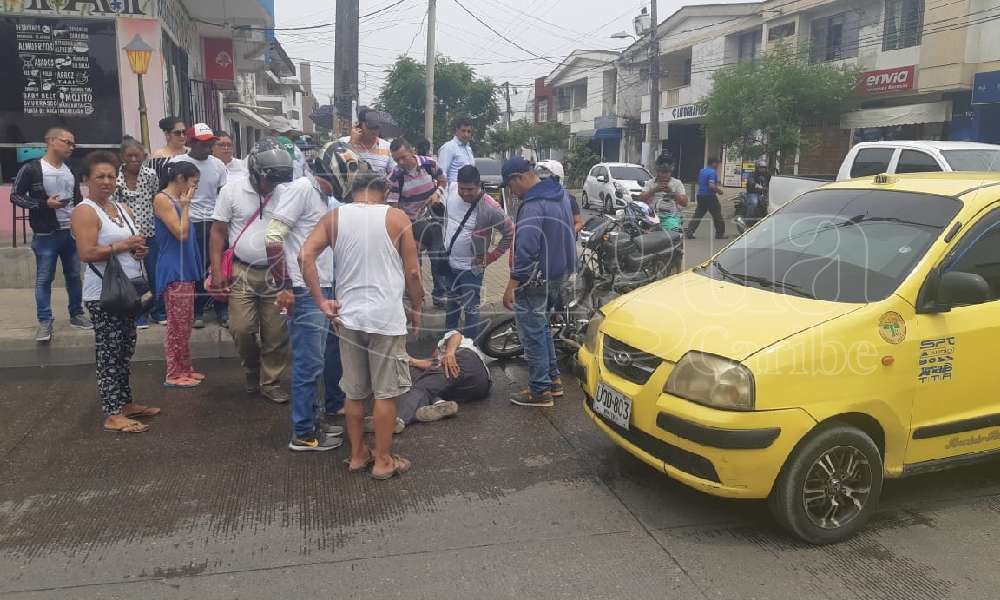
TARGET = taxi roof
x,y
955,184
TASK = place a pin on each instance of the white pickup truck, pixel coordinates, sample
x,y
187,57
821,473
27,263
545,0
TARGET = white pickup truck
x,y
872,158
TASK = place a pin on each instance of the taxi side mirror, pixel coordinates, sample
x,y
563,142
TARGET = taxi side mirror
x,y
956,288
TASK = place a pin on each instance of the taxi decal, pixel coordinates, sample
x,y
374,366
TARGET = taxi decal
x,y
892,327
936,359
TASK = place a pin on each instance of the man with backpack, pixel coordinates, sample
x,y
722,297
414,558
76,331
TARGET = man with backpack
x,y
415,187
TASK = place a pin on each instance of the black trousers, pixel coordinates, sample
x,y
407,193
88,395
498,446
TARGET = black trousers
x,y
473,383
708,203
429,234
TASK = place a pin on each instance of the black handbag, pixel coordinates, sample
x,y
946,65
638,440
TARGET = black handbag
x,y
120,294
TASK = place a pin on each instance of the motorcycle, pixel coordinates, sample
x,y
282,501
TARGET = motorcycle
x,y
745,221
619,254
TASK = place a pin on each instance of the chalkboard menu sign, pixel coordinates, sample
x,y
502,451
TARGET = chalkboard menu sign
x,y
59,72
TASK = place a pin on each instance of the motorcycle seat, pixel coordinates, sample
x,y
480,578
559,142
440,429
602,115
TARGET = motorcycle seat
x,y
658,241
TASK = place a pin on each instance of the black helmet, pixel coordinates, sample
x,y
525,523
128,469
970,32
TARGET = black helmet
x,y
270,160
337,164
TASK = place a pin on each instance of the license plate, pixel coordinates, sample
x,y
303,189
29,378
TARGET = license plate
x,y
613,405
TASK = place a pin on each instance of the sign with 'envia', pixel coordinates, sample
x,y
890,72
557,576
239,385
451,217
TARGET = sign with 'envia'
x,y
885,81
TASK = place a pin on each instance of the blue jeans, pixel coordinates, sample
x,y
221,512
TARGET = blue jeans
x,y
752,205
307,334
332,372
464,290
159,311
202,232
49,248
532,316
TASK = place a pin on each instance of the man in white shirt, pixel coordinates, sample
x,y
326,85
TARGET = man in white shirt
x,y
213,175
457,152
243,210
665,196
223,150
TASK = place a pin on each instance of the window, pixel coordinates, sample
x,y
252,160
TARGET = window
x,y
595,171
871,161
564,99
543,109
904,22
981,255
835,37
580,96
780,32
973,160
686,77
748,45
912,161
630,173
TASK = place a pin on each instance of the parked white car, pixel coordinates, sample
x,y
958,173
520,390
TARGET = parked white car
x,y
611,185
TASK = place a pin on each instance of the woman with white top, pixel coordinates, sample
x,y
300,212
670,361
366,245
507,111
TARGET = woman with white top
x,y
223,150
104,227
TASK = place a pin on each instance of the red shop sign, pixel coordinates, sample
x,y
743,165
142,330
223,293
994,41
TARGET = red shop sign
x,y
887,80
220,63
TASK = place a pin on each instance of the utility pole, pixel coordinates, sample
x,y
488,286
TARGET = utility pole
x,y
653,130
345,64
506,93
429,81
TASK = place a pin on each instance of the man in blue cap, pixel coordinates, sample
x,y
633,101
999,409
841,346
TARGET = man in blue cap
x,y
544,256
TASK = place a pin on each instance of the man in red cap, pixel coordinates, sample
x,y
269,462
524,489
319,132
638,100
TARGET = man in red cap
x,y
200,140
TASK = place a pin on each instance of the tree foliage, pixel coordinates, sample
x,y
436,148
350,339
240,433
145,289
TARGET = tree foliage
x,y
458,92
760,107
580,159
549,135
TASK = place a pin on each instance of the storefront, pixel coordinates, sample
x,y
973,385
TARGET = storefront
x,y
685,139
985,105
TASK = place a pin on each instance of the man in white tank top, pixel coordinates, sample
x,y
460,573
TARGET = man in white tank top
x,y
376,262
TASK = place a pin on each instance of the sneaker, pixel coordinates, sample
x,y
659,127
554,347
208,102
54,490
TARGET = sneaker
x,y
327,426
275,394
199,323
529,398
441,409
142,323
44,332
689,236
252,383
722,237
556,388
80,322
315,443
161,321
370,425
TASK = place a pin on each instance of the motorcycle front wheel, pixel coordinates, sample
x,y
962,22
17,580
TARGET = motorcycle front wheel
x,y
501,340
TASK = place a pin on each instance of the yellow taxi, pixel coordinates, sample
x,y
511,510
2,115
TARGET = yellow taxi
x,y
849,337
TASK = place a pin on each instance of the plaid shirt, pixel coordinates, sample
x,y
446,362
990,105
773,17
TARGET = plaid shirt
x,y
411,190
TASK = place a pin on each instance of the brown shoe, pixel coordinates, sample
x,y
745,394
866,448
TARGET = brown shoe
x,y
275,394
556,389
530,398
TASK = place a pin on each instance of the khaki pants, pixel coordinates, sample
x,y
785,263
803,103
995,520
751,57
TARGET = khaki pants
x,y
252,316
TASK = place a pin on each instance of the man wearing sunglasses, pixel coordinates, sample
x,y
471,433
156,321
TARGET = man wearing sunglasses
x,y
48,190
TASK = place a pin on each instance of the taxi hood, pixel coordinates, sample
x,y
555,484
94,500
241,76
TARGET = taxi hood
x,y
691,311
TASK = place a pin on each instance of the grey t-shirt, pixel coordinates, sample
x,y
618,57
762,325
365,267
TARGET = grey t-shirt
x,y
663,202
463,252
58,181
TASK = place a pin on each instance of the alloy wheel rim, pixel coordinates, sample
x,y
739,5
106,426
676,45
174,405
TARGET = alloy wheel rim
x,y
504,339
837,487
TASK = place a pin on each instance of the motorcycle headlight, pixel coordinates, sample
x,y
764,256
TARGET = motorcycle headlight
x,y
590,336
713,381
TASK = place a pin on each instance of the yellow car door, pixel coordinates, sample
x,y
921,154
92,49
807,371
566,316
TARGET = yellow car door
x,y
956,409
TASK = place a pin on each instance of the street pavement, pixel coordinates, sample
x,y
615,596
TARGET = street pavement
x,y
502,502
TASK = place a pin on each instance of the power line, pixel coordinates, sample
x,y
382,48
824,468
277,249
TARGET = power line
x,y
500,35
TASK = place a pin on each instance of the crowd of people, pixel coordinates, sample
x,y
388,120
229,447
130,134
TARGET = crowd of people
x,y
312,264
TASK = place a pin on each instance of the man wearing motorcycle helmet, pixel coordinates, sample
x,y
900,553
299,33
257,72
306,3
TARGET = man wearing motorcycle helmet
x,y
756,198
665,196
241,215
554,169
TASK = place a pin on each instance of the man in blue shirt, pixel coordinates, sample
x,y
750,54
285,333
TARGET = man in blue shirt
x,y
708,200
457,152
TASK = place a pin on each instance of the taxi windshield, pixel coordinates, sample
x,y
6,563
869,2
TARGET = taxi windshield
x,y
842,245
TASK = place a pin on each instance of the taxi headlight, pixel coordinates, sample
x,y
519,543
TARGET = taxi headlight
x,y
590,336
713,381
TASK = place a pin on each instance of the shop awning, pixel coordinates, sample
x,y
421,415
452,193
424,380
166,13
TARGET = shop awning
x,y
608,133
249,114
928,112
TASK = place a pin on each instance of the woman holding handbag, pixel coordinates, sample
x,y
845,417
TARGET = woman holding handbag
x,y
105,232
179,266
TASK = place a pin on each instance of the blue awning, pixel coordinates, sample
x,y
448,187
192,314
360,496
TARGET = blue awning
x,y
608,133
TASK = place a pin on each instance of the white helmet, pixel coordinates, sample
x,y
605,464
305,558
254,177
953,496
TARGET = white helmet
x,y
545,168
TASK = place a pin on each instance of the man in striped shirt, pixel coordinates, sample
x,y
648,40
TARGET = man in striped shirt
x,y
415,187
366,142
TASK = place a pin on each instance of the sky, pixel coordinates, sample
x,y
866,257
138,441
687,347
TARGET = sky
x,y
548,28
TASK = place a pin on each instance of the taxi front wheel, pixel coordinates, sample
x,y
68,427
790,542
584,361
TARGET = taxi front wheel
x,y
829,487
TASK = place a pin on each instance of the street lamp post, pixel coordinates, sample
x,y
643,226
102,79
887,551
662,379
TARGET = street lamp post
x,y
139,53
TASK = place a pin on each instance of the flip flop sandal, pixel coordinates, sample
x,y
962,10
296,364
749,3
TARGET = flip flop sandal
x,y
147,411
196,376
368,463
400,466
130,427
190,383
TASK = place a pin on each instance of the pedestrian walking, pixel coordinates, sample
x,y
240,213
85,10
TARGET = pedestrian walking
x,y
213,176
47,188
544,256
282,130
179,268
241,216
473,217
708,200
175,134
457,373
415,187
223,149
102,228
665,196
136,186
299,208
376,263
366,141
